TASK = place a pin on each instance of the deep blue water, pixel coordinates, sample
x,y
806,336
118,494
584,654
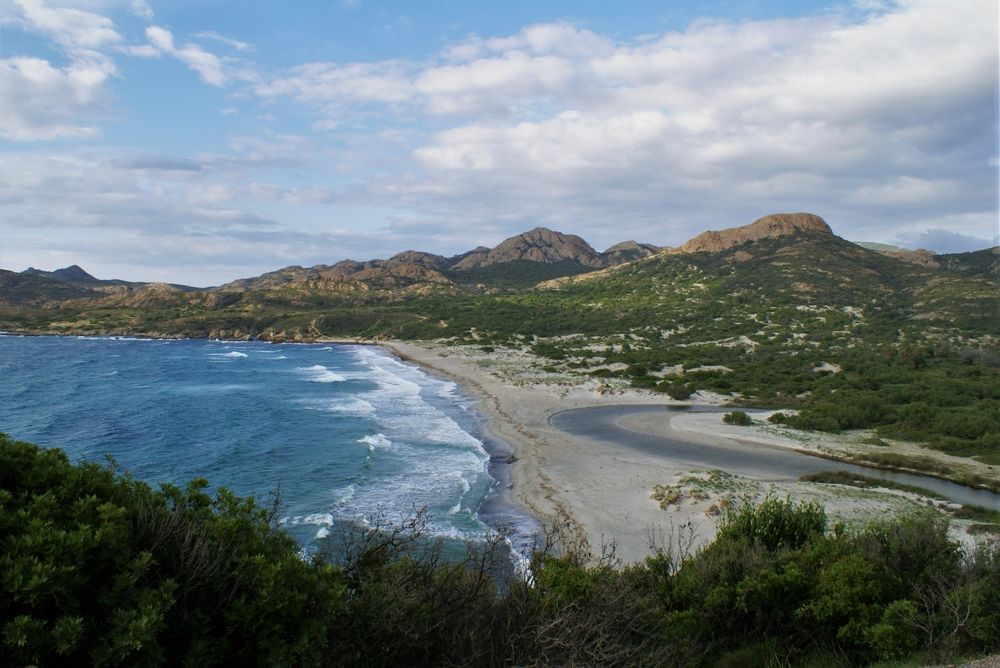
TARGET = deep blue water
x,y
345,432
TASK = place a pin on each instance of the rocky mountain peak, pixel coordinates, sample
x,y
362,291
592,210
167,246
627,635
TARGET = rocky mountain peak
x,y
768,227
71,274
538,245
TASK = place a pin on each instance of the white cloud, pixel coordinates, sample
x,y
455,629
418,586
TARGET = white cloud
x,y
141,9
356,83
883,121
42,100
208,66
29,88
79,32
228,41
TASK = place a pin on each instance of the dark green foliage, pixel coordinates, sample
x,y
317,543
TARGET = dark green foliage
x,y
676,390
738,418
774,522
99,569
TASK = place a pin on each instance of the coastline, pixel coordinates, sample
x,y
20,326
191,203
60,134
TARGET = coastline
x,y
596,492
602,493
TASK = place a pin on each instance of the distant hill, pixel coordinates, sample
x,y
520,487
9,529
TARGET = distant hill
x,y
76,275
537,245
542,282
28,289
71,274
985,263
515,263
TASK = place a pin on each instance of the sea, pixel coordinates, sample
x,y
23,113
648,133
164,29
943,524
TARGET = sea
x,y
345,434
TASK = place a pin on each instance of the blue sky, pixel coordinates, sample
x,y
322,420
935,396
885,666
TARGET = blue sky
x,y
198,142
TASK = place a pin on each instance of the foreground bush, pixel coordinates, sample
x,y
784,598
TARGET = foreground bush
x,y
98,569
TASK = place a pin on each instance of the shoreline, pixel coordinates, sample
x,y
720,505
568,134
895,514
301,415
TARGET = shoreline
x,y
602,493
549,477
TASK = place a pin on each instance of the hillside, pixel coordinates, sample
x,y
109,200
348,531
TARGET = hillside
x,y
781,312
33,290
515,263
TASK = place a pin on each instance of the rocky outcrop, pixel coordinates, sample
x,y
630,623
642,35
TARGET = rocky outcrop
x,y
629,251
768,227
538,245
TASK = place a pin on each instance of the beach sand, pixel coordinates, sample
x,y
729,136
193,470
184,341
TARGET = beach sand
x,y
602,492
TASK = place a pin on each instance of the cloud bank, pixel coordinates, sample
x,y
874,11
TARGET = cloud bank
x,y
883,120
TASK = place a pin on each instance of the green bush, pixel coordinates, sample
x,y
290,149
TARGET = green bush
x,y
774,522
738,418
100,569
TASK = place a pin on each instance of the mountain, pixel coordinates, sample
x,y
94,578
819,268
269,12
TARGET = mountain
x,y
545,283
768,227
76,275
984,263
515,263
538,245
23,289
629,251
71,274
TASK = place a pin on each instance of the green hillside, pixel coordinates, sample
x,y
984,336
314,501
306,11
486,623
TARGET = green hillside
x,y
850,336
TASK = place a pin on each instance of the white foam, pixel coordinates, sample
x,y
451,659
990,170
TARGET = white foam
x,y
230,354
375,441
318,519
353,406
320,374
345,494
459,475
322,533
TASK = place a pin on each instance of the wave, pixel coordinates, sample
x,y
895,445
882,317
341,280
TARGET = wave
x,y
232,354
375,441
351,406
318,373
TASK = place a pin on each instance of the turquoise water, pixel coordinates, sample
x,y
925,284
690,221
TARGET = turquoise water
x,y
344,432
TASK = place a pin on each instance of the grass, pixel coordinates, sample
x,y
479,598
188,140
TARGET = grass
x,y
978,514
865,482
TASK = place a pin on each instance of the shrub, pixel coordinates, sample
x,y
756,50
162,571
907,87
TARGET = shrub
x,y
99,568
774,522
738,418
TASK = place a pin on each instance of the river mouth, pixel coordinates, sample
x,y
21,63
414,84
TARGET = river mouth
x,y
764,463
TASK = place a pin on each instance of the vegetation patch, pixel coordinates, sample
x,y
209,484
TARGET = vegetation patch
x,y
978,514
866,482
100,569
738,418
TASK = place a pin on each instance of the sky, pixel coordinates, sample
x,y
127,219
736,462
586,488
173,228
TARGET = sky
x,y
201,141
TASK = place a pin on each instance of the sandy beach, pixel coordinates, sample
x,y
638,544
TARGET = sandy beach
x,y
603,492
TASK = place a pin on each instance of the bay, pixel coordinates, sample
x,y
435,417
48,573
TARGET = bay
x,y
344,433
